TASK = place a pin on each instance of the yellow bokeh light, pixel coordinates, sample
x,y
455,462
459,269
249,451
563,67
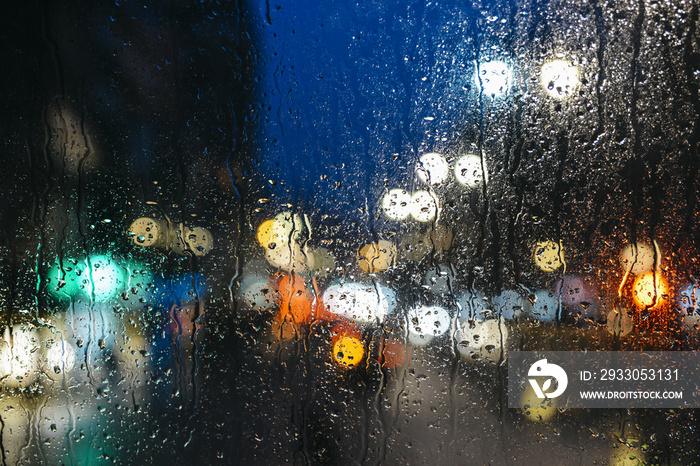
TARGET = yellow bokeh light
x,y
377,257
638,258
619,323
649,290
536,409
146,231
265,232
348,351
549,255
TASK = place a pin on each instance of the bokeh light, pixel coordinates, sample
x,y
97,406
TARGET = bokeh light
x,y
578,296
64,279
432,168
389,295
287,227
559,78
104,278
423,206
397,204
536,409
257,293
348,351
689,299
60,357
619,323
377,257
427,322
347,348
649,290
394,354
92,322
182,290
510,304
545,305
468,170
19,357
356,302
289,258
264,233
638,258
148,232
474,305
549,255
294,299
482,339
493,78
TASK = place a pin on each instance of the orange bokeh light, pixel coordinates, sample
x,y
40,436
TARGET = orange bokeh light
x,y
649,290
294,300
393,354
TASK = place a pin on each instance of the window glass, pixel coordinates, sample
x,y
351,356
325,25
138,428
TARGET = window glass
x,y
294,232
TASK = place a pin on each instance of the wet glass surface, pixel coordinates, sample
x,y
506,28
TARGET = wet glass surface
x,y
270,233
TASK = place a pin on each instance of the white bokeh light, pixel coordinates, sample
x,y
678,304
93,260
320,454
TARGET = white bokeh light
x,y
290,258
19,356
356,302
482,339
59,358
432,168
257,293
468,170
427,322
423,206
559,78
397,204
286,227
493,78
389,295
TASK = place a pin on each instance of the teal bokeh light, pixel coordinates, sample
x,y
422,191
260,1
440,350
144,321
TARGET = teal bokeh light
x,y
64,279
100,278
105,278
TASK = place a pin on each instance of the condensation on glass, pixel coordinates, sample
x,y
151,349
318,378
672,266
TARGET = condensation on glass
x,y
268,233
